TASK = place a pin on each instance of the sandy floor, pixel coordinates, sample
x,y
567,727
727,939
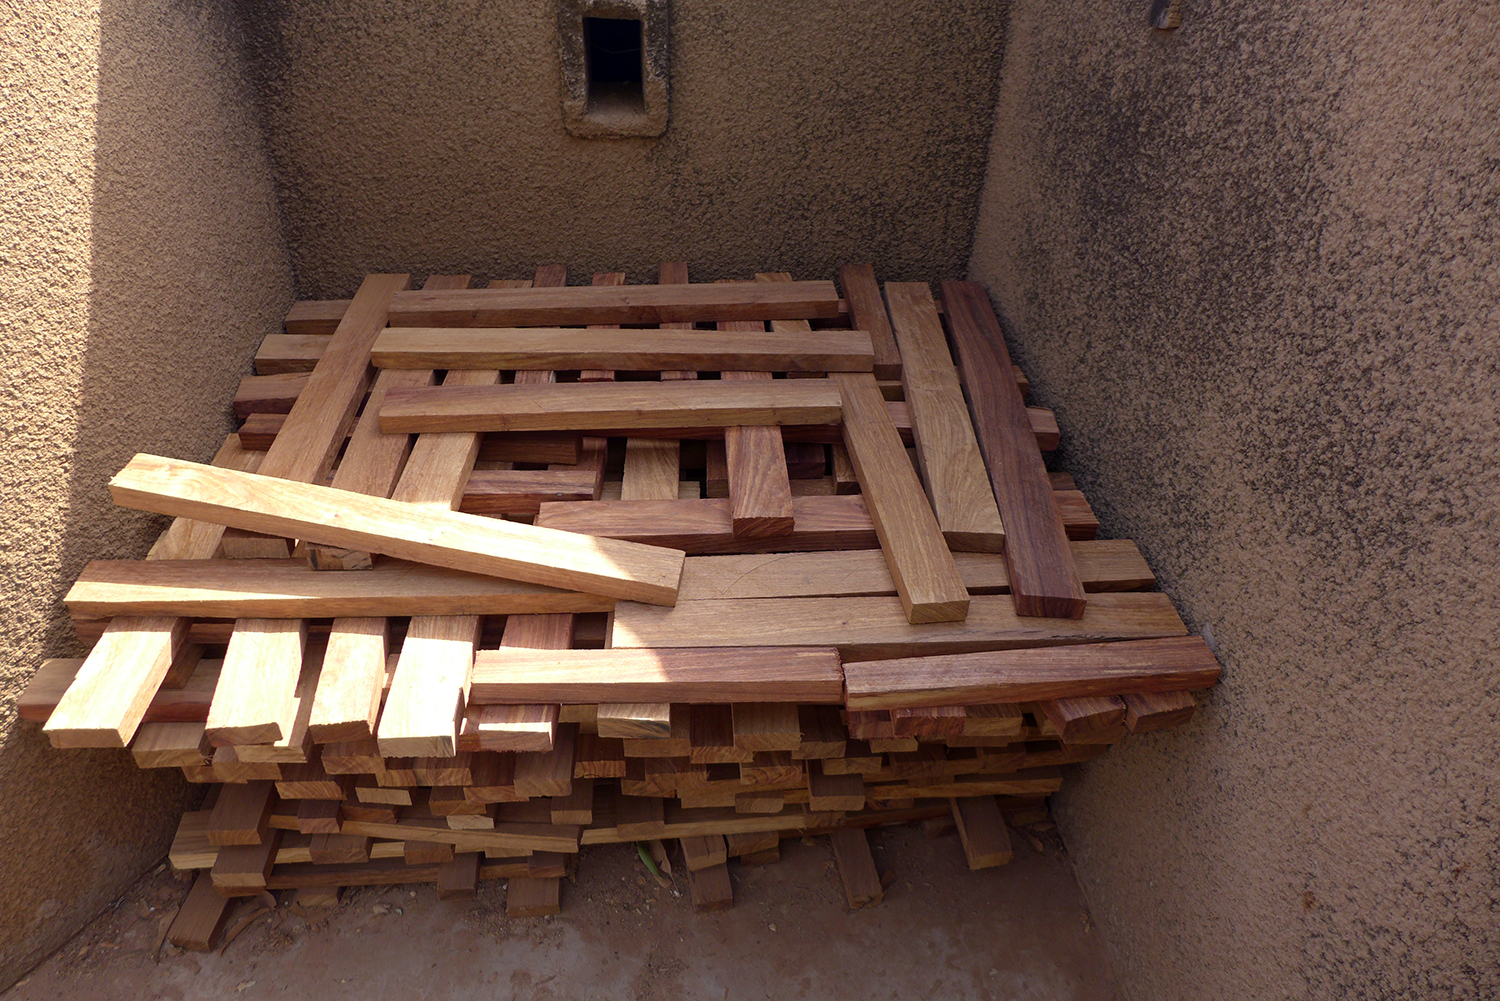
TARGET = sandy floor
x,y
1016,932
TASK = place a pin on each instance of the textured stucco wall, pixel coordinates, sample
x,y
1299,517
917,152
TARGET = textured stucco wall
x,y
428,137
141,260
1253,266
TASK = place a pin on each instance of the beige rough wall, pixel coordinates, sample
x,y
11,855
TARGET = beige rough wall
x,y
428,136
1253,266
141,260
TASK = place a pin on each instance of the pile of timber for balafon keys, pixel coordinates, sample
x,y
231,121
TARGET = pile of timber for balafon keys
x,y
491,573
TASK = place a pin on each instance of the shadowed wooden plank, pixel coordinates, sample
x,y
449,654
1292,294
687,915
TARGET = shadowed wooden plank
x,y
867,312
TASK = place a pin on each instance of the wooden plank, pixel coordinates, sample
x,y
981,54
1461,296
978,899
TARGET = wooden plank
x,y
315,316
612,405
509,728
1044,580
1093,669
427,692
255,701
347,700
170,745
201,917
766,726
440,537
982,831
548,773
833,792
458,879
634,304
268,394
823,734
283,354
707,526
751,674
1104,565
577,807
241,813
319,816
993,720
1147,712
928,722
877,628
926,578
533,348
524,491
867,312
634,720
862,886
710,889
189,539
704,851
1082,715
289,589
531,897
109,696
652,469
952,468
711,736
170,705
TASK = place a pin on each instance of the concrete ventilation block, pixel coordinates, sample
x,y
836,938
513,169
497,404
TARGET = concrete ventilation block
x,y
614,67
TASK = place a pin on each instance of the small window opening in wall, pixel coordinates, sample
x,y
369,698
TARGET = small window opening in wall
x,y
612,47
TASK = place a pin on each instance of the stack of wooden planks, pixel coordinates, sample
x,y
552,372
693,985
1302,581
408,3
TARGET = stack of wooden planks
x,y
488,574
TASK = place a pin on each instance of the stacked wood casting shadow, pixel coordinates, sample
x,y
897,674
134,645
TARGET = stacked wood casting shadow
x,y
489,574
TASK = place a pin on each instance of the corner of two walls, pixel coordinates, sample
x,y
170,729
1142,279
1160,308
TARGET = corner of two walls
x,y
142,262
1252,266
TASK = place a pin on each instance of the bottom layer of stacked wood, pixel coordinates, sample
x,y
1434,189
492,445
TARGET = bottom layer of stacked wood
x,y
787,693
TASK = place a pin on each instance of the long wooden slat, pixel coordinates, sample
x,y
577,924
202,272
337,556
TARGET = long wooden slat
x,y
867,312
625,304
789,674
862,886
760,492
612,405
625,350
255,701
283,589
952,468
189,704
347,699
427,535
1103,565
426,698
926,578
1044,580
1057,672
315,316
877,628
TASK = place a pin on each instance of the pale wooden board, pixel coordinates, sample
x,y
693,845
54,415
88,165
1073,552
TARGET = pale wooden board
x,y
289,589
652,469
624,304
877,628
634,720
347,700
750,674
110,694
532,348
760,491
255,701
427,693
952,468
927,581
611,405
1104,565
187,539
1183,663
444,538
170,745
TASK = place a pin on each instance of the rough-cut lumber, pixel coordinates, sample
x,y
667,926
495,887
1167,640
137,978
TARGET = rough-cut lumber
x,y
1104,565
459,879
1044,580
315,316
577,807
1146,712
289,589
1082,715
877,628
823,734
833,792
652,470
723,675
711,736
766,726
634,720
707,525
113,688
633,304
530,897
256,700
532,348
268,394
201,917
862,886
926,579
548,773
993,720
171,745
444,538
867,312
639,817
612,405
241,814
524,491
952,468
427,692
710,888
347,699
704,851
319,816
1093,669
982,830
928,722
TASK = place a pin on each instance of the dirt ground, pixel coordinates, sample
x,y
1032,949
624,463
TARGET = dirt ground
x,y
1016,932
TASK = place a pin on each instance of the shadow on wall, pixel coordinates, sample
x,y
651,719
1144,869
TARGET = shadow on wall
x,y
186,271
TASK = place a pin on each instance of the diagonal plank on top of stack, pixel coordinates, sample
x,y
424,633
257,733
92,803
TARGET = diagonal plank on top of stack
x,y
889,610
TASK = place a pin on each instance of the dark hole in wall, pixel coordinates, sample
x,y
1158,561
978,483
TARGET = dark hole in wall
x,y
612,47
